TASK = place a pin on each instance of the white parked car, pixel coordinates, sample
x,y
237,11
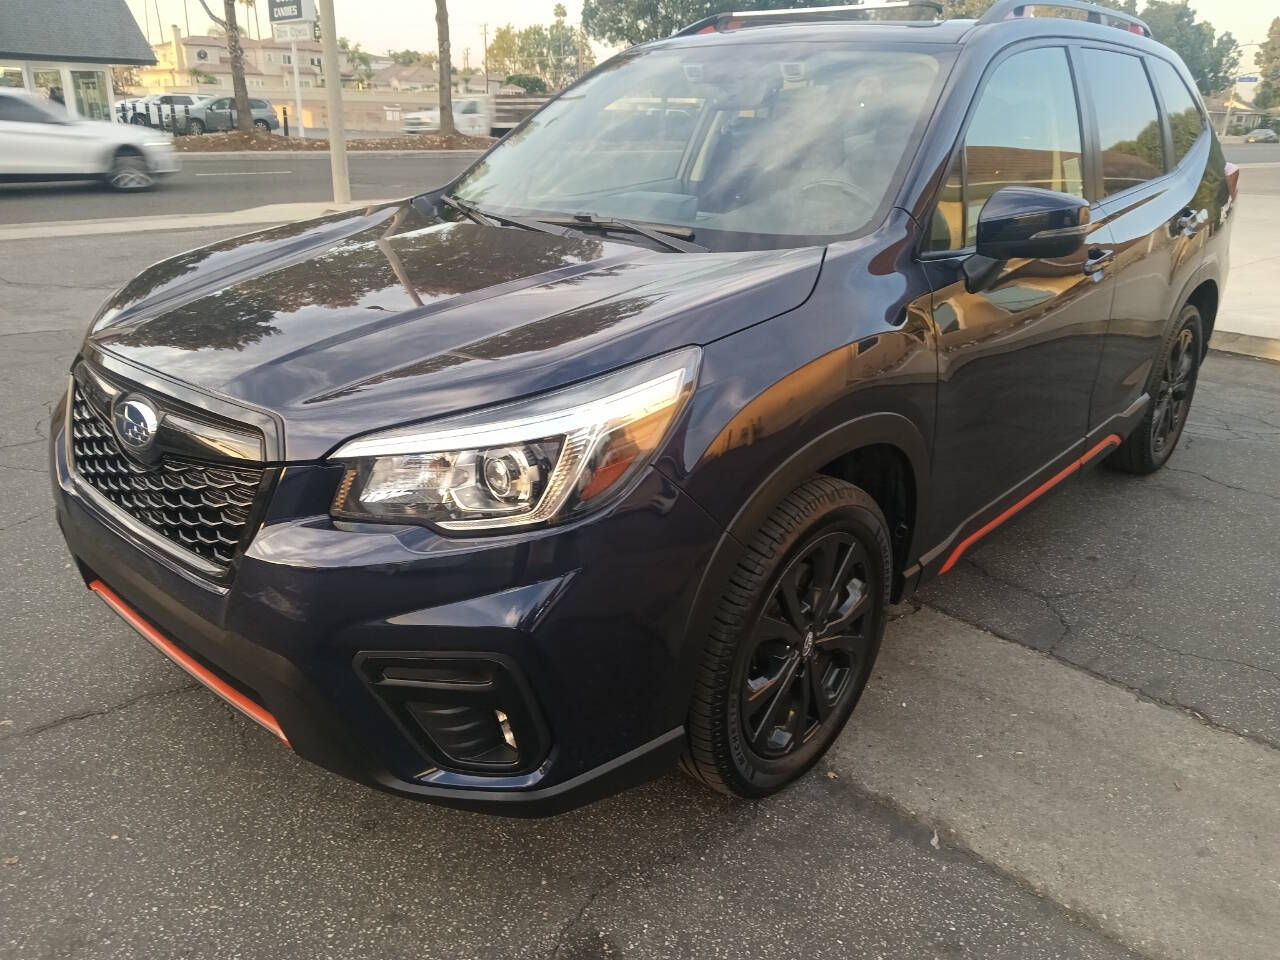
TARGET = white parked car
x,y
472,116
39,140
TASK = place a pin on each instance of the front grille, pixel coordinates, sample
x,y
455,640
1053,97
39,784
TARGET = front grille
x,y
200,507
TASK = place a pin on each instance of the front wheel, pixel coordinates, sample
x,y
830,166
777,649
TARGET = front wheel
x,y
1172,386
129,172
793,641
196,127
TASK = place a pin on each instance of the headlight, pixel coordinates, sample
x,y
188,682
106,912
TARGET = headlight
x,y
533,461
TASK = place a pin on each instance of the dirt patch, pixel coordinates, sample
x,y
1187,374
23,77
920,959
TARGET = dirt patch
x,y
222,142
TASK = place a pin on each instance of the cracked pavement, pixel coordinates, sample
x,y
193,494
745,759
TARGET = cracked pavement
x,y
1166,585
140,817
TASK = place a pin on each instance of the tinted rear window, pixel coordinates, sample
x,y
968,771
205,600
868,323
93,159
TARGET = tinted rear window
x,y
1129,132
1185,121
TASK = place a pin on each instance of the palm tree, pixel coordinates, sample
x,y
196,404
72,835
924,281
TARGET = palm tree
x,y
446,69
244,119
251,7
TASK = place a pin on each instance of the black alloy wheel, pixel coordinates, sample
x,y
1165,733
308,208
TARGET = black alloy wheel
x,y
793,638
807,645
1172,386
1173,395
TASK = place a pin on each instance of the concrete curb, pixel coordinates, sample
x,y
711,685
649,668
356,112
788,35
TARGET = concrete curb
x,y
308,154
1262,348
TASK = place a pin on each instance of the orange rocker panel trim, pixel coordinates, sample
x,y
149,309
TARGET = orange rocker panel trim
x,y
1112,440
193,667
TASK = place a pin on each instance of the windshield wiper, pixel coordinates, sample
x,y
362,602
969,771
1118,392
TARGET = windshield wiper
x,y
489,219
467,210
668,236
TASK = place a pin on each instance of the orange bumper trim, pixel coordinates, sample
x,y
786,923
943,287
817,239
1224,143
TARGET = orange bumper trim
x,y
219,686
1112,440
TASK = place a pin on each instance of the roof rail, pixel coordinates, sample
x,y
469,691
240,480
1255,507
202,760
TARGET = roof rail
x,y
719,22
1017,9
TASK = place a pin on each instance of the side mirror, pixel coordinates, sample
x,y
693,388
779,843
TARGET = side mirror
x,y
1032,223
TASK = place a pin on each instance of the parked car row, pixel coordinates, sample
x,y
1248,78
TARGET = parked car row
x,y
194,113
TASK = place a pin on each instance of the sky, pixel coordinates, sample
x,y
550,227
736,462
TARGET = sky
x,y
380,25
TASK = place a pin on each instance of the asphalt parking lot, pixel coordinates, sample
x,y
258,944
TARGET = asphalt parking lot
x,y
1069,748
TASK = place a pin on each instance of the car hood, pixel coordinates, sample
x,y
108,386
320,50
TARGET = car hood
x,y
363,320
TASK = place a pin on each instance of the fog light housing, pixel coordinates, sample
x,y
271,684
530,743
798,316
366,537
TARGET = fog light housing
x,y
465,712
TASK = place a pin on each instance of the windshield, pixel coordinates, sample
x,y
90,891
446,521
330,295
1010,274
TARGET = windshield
x,y
746,145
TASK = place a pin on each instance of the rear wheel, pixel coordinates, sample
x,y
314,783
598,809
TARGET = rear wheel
x,y
261,126
129,172
793,641
1172,387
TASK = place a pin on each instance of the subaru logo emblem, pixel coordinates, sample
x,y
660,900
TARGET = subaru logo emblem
x,y
135,422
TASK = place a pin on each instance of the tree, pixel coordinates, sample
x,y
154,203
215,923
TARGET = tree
x,y
409,58
361,61
244,119
635,21
446,68
1211,57
1268,61
555,53
527,82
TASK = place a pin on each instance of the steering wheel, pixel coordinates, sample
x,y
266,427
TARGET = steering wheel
x,y
845,187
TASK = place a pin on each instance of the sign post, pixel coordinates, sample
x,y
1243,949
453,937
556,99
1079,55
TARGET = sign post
x,y
294,20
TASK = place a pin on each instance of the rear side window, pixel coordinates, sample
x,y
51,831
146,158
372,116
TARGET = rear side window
x,y
1129,134
1185,121
1024,131
259,105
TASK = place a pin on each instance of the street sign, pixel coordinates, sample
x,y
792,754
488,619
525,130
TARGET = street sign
x,y
1250,78
287,11
291,32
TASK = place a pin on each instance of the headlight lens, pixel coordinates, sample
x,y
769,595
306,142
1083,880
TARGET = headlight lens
x,y
533,461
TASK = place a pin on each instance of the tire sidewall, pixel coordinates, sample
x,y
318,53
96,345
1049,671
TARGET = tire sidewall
x,y
749,774
1188,316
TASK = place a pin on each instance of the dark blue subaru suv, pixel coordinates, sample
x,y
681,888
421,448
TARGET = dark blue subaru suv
x,y
612,453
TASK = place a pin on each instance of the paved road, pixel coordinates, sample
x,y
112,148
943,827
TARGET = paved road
x,y
209,182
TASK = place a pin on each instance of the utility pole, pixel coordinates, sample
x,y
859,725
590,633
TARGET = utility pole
x,y
186,17
333,91
484,59
297,87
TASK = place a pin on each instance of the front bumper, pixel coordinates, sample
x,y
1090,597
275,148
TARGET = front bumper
x,y
162,159
587,620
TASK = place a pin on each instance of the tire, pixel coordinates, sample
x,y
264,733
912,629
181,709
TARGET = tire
x,y
1172,387
196,127
769,700
140,120
261,126
129,173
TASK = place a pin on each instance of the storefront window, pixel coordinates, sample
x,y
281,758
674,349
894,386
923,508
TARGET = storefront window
x,y
10,77
48,83
92,99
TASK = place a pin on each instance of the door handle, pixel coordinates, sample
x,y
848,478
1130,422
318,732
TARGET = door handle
x,y
1189,221
1097,260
